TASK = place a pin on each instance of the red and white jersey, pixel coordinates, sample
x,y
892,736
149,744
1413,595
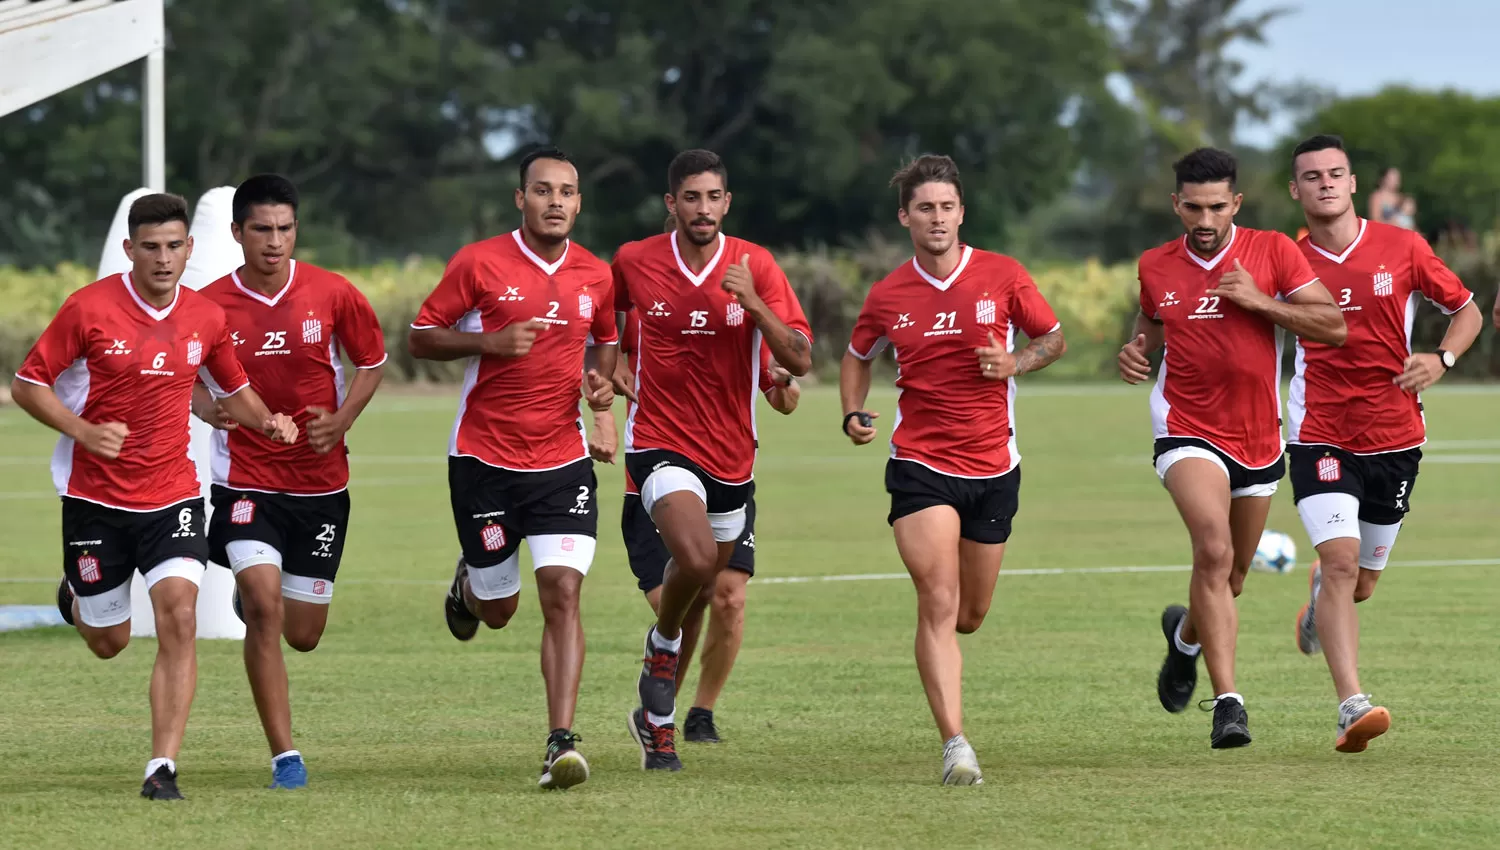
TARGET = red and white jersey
x,y
949,417
631,331
1345,396
521,413
111,357
698,353
1220,378
290,345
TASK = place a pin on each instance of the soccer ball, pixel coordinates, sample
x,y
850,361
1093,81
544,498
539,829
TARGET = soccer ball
x,y
1277,553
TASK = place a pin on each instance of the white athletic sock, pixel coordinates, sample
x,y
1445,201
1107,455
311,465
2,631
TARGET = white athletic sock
x,y
153,764
277,759
1234,696
661,719
672,645
1182,646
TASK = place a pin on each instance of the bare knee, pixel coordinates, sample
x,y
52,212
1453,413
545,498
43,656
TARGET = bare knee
x,y
729,601
303,639
1341,571
1213,552
698,559
107,643
497,612
179,622
263,611
971,618
1364,586
559,599
937,605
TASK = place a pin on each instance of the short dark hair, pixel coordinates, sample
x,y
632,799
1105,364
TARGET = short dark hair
x,y
690,163
927,168
262,189
1320,142
541,153
159,208
1207,165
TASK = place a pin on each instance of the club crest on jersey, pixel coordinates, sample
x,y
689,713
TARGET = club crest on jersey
x,y
1328,469
1383,281
734,314
493,537
88,568
194,352
585,306
312,331
242,512
984,311
659,309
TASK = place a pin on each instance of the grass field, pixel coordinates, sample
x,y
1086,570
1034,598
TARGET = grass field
x,y
415,740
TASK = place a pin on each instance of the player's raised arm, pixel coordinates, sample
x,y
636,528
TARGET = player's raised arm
x,y
1308,309
789,345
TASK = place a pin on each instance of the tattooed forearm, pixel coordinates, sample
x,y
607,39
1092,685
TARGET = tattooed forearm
x,y
1041,352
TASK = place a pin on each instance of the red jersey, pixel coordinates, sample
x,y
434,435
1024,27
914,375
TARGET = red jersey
x,y
111,357
1344,396
290,345
949,417
697,352
631,331
521,413
1220,378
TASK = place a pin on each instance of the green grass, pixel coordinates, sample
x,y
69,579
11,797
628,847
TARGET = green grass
x,y
415,740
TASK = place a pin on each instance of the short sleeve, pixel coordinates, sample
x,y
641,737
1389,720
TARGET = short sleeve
x,y
63,342
622,292
221,371
1028,309
774,289
358,329
602,329
1149,307
1292,269
453,298
869,336
1437,282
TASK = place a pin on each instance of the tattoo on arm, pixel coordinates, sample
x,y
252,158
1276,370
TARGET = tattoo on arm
x,y
1040,352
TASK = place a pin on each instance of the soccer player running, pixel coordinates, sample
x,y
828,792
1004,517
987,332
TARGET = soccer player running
x,y
281,512
1215,298
725,598
114,373
954,476
706,304
1355,421
522,308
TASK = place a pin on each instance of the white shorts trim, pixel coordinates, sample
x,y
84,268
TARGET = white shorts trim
x,y
1328,516
250,553
187,568
501,581
728,527
561,550
667,480
318,591
110,608
1166,460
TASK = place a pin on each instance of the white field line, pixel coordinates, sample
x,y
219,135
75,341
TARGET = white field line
x,y
1166,568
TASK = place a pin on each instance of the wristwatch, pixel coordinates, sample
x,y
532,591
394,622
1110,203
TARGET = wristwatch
x,y
1447,359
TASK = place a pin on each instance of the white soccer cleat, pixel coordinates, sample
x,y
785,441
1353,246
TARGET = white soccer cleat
x,y
960,765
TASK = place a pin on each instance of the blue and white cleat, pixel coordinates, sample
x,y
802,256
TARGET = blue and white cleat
x,y
289,773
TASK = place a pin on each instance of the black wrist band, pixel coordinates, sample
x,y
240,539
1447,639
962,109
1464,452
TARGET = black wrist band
x,y
864,419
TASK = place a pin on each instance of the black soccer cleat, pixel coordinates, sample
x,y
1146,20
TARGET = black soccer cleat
x,y
658,683
1179,671
65,601
563,766
658,744
161,785
699,727
1231,723
461,621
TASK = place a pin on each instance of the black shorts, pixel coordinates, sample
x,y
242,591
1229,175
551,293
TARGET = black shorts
x,y
308,531
986,506
103,546
648,554
1382,483
494,509
721,498
1240,476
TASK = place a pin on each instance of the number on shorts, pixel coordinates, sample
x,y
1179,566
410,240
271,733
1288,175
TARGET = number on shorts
x,y
328,534
1401,496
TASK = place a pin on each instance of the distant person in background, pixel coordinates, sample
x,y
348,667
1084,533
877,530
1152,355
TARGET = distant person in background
x,y
1406,214
1386,200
